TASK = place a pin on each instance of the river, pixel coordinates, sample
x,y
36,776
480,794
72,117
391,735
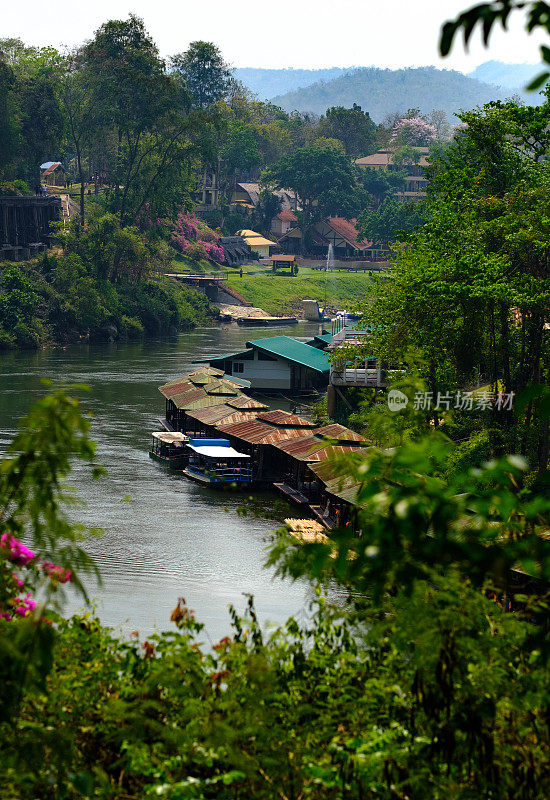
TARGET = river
x,y
165,537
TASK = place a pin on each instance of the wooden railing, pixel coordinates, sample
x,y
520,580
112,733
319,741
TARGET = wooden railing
x,y
356,376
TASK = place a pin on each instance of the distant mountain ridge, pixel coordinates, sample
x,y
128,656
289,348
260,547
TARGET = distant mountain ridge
x,y
511,76
386,91
268,83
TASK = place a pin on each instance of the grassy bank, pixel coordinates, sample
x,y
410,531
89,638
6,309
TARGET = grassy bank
x,y
278,294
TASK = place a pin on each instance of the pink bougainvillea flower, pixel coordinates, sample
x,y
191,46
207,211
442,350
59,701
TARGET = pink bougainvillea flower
x,y
18,582
17,552
57,573
24,605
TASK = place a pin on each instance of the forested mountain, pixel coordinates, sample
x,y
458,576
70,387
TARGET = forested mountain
x,y
509,76
268,83
385,91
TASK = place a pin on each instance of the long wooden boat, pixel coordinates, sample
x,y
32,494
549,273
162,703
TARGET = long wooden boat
x,y
214,463
169,448
265,322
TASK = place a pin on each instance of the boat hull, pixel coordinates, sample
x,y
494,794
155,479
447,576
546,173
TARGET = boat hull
x,y
172,462
215,483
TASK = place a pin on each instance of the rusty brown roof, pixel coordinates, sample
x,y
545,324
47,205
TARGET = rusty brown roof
x,y
285,419
311,449
339,432
245,402
177,387
258,432
223,414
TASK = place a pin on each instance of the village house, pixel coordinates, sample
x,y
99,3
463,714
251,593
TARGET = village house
x,y
416,180
258,243
283,222
52,173
336,231
277,363
247,195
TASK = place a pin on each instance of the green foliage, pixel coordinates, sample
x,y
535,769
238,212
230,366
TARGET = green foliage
x,y
391,222
353,127
204,72
323,178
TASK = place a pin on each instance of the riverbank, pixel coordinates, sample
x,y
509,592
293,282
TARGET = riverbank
x,y
283,295
54,300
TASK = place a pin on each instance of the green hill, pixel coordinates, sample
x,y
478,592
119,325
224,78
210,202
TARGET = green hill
x,y
386,91
267,83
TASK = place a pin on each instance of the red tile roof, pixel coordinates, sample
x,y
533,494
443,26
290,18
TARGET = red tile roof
x,y
347,230
286,215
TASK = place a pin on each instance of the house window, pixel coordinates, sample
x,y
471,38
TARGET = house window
x,y
238,366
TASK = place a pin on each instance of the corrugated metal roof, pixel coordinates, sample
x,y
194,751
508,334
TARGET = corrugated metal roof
x,y
258,432
224,357
206,401
245,402
223,387
311,449
292,350
223,414
177,387
342,486
285,419
181,398
302,450
206,375
336,431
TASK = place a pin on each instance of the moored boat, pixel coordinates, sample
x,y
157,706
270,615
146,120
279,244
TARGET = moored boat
x,y
213,462
169,447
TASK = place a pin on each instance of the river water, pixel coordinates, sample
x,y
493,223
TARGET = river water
x,y
165,536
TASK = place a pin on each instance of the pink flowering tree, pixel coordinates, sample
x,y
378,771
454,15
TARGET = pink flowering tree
x,y
195,239
415,132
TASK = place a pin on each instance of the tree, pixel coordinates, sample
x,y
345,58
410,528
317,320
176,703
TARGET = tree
x,y
412,131
204,71
381,183
321,176
42,124
8,126
269,205
80,113
353,127
147,110
391,220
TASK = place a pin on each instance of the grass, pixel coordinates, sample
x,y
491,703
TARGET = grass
x,y
278,294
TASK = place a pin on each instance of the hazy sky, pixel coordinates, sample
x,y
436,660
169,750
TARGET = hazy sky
x,y
308,33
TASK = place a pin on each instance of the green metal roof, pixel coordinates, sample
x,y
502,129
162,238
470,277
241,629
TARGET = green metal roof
x,y
292,350
225,357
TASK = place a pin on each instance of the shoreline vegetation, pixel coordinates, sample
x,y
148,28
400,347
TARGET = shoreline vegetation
x,y
101,283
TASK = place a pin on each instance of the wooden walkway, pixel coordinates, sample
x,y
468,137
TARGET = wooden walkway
x,y
292,494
